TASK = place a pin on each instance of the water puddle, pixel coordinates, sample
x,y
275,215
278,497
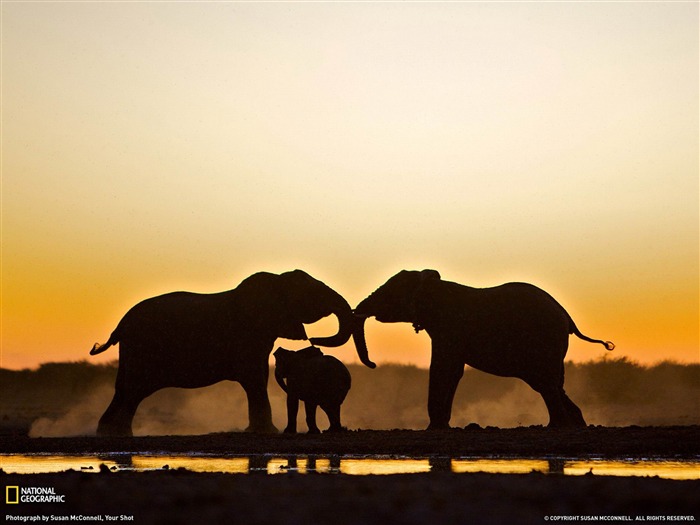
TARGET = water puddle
x,y
351,465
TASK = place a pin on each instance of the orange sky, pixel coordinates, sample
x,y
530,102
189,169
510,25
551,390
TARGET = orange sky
x,y
152,147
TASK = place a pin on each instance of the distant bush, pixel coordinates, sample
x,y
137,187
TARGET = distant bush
x,y
50,391
68,399
620,392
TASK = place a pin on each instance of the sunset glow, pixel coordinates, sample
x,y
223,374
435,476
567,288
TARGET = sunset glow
x,y
151,147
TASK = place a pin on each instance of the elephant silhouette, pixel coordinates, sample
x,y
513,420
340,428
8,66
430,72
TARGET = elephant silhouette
x,y
191,340
317,380
512,330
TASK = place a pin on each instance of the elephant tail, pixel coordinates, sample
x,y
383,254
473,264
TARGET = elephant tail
x,y
609,345
98,348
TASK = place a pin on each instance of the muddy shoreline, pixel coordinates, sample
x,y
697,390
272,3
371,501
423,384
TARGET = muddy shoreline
x,y
178,496
604,442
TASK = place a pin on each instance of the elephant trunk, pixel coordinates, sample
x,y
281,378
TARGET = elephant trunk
x,y
358,336
280,379
349,324
341,309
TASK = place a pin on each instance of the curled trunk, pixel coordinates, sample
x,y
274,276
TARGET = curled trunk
x,y
348,325
345,327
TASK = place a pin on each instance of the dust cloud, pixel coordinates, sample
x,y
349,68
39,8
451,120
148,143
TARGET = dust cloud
x,y
67,399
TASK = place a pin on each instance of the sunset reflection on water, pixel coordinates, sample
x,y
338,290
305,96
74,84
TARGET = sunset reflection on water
x,y
348,465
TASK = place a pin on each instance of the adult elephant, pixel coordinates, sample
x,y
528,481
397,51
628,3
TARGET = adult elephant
x,y
512,330
191,340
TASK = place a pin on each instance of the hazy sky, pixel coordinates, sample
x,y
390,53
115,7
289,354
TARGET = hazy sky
x,y
149,147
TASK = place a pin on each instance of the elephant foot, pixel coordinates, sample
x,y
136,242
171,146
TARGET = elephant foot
x,y
112,430
576,420
566,425
314,431
290,430
439,426
568,421
267,428
337,429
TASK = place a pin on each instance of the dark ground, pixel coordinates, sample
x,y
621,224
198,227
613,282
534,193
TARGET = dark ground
x,y
176,496
623,442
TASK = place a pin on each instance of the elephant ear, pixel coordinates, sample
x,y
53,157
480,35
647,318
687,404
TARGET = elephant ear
x,y
296,289
308,300
282,365
426,278
289,291
282,355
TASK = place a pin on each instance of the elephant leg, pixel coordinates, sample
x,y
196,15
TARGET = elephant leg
x,y
292,410
311,417
575,415
562,411
259,410
444,378
558,410
333,413
117,419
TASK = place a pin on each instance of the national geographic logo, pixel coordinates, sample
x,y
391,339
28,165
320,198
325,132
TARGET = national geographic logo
x,y
11,495
15,495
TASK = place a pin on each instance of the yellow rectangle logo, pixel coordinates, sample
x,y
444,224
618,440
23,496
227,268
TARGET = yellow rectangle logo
x,y
11,495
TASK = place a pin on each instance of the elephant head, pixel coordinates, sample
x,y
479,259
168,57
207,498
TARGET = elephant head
x,y
286,361
305,300
395,301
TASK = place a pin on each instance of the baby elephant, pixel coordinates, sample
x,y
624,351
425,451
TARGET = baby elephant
x,y
317,380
